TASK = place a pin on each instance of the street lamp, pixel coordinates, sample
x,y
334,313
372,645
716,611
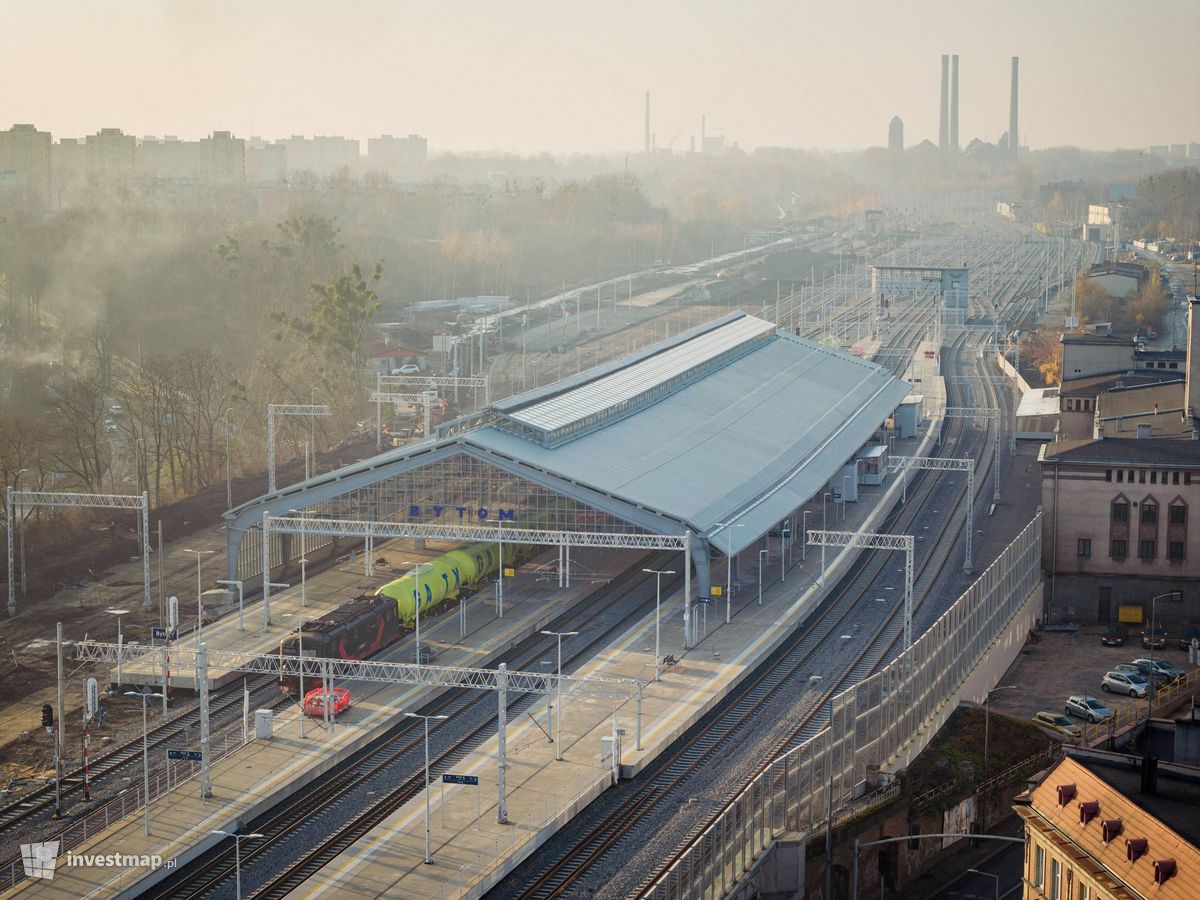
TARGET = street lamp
x,y
417,601
21,531
729,568
200,554
988,875
804,535
237,854
241,601
304,620
658,574
761,563
987,721
559,635
120,640
145,752
428,855
1150,687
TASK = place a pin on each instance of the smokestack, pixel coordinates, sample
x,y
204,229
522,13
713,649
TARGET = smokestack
x,y
954,102
943,126
1013,141
703,132
647,123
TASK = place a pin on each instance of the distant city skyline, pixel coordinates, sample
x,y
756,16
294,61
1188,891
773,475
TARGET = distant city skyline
x,y
567,79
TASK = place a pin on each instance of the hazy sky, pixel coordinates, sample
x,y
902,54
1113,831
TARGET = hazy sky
x,y
530,75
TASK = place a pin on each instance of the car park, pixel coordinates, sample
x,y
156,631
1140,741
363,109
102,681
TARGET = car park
x,y
1088,708
1114,636
1129,683
1058,723
1167,670
1154,637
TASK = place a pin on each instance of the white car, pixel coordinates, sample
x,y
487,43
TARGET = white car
x,y
407,369
1124,683
110,426
116,410
1085,707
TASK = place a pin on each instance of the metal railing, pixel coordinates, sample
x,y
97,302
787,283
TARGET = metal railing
x,y
1121,719
871,723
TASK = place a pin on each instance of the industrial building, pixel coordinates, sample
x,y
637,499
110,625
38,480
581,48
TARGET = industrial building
x,y
720,433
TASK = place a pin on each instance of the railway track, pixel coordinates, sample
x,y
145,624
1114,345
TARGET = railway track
x,y
788,669
399,749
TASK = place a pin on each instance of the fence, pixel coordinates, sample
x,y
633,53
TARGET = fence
x,y
872,723
1125,718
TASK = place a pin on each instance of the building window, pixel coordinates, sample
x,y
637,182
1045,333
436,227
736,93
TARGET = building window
x,y
1174,365
1154,477
1120,512
1084,547
1119,549
1141,476
1085,892
1187,477
1131,476
1108,474
1178,514
1120,476
1039,865
1055,880
1149,514
1174,478
1175,551
1146,550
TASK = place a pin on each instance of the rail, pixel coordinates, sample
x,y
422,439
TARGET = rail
x,y
872,722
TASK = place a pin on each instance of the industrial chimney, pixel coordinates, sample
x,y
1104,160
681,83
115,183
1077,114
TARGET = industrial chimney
x,y
1191,385
954,102
1013,141
703,132
943,123
647,123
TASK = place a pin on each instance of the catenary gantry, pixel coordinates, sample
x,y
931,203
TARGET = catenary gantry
x,y
728,424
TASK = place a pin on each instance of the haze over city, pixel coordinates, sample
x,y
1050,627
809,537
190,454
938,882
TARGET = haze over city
x,y
541,76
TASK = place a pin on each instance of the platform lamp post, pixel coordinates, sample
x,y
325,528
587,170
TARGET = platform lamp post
x,y
237,854
804,535
559,635
729,568
1150,686
417,602
304,620
145,752
228,463
428,855
200,554
658,574
824,525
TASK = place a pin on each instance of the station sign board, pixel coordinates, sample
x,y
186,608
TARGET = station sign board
x,y
192,755
451,778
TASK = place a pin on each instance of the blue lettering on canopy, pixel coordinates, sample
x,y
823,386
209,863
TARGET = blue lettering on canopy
x,y
509,514
416,511
481,512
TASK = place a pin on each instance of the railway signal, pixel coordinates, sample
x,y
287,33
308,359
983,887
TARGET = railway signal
x,y
48,718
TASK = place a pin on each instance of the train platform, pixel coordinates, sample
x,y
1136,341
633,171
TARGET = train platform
x,y
472,851
322,593
249,780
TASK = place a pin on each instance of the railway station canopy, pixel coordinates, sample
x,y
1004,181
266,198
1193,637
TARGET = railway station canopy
x,y
729,422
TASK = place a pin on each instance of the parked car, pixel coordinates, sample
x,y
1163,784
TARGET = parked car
x,y
1154,637
1058,723
110,426
407,369
116,410
1168,670
1089,708
1190,633
1143,670
1114,636
1129,683
314,701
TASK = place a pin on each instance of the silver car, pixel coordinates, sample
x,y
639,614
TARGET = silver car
x,y
1124,683
1085,707
1161,667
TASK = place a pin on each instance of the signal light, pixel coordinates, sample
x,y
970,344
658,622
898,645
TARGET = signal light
x,y
47,716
